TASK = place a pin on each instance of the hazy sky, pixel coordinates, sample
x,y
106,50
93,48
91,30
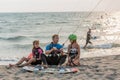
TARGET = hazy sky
x,y
57,5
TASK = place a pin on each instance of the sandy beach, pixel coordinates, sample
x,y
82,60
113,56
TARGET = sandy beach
x,y
99,68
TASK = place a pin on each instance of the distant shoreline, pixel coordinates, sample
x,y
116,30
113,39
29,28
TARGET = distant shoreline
x,y
63,12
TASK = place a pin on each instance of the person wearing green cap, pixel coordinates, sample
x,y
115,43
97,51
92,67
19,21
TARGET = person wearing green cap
x,y
73,51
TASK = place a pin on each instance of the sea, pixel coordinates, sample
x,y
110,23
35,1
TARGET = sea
x,y
19,30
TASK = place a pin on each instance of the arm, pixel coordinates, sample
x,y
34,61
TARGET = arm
x,y
60,49
40,51
48,51
89,35
68,52
78,56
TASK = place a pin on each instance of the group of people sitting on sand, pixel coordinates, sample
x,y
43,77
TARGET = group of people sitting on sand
x,y
53,55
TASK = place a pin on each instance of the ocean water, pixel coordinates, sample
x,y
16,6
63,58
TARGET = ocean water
x,y
19,30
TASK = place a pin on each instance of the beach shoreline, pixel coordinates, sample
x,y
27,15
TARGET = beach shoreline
x,y
97,68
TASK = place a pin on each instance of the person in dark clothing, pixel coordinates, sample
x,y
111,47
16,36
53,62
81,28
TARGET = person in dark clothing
x,y
88,38
54,53
34,58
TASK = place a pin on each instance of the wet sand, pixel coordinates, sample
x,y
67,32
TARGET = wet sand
x,y
99,68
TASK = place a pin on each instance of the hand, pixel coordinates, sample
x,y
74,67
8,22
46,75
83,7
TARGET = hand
x,y
62,53
54,48
38,58
61,49
73,59
69,59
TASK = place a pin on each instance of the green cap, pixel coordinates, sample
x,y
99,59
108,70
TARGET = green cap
x,y
72,37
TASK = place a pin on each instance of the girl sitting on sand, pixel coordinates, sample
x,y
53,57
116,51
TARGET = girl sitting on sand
x,y
34,58
73,51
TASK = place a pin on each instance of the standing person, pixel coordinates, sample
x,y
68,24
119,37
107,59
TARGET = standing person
x,y
73,51
88,38
34,58
54,53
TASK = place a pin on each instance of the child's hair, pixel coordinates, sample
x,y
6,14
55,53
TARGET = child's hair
x,y
35,42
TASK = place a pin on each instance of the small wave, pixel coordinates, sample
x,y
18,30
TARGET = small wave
x,y
37,23
13,38
103,46
3,21
9,59
95,37
61,22
28,46
115,45
22,46
86,20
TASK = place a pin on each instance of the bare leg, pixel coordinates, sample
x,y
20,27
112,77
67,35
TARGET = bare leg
x,y
21,61
90,42
29,62
85,45
76,62
69,62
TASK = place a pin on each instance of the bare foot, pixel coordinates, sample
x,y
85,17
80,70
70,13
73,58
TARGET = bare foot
x,y
11,65
45,66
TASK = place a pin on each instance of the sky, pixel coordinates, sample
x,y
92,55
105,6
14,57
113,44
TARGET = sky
x,y
57,5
